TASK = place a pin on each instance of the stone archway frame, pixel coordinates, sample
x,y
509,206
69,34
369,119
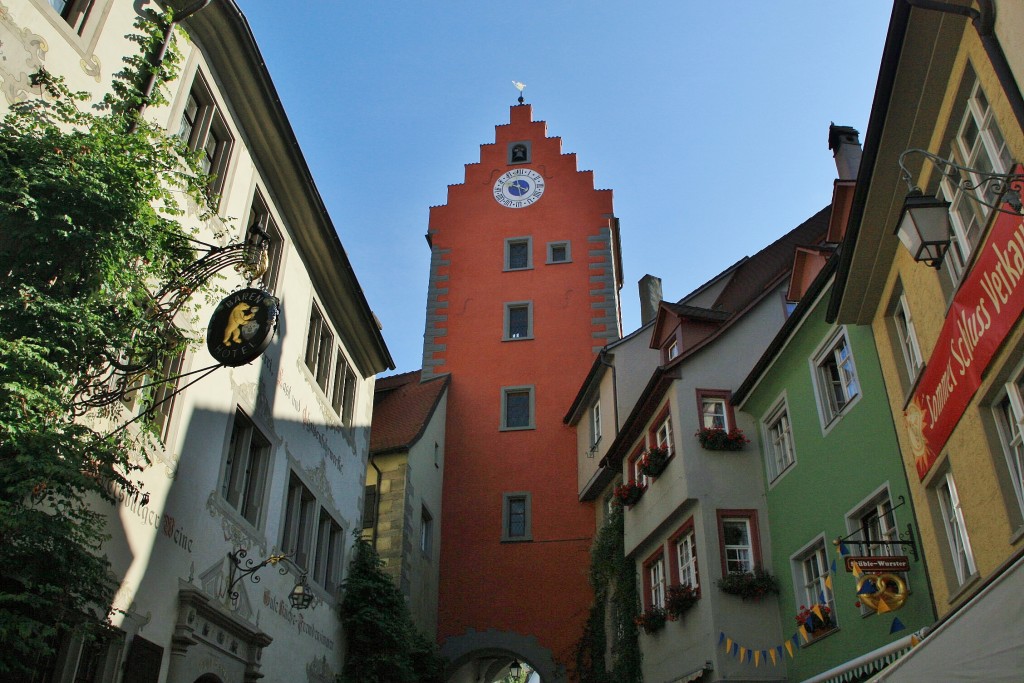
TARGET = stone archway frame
x,y
203,622
460,650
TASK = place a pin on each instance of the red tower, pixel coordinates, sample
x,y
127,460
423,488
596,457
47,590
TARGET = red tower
x,y
524,290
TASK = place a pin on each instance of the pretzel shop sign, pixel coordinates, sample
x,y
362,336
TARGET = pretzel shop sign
x,y
986,307
242,327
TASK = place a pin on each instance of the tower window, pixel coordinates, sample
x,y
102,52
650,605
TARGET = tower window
x,y
519,152
517,253
559,252
519,320
516,517
517,408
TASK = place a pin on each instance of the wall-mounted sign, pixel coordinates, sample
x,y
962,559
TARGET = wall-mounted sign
x,y
242,327
879,564
987,305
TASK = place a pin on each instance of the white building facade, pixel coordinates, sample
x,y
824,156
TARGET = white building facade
x,y
262,459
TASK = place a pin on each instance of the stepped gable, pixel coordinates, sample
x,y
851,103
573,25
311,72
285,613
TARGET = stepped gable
x,y
764,268
402,406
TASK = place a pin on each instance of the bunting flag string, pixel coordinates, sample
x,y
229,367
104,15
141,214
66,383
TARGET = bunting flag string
x,y
897,625
774,653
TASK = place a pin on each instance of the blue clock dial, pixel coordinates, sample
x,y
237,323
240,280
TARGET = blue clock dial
x,y
518,188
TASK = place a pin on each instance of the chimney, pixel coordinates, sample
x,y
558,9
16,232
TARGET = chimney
x,y
845,145
650,298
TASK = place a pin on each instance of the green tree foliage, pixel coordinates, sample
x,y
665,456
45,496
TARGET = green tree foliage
x,y
89,211
614,582
382,643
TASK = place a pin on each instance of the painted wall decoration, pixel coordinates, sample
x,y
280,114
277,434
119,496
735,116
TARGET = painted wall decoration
x,y
987,305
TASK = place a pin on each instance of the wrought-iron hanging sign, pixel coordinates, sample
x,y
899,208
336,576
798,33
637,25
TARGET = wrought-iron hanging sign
x,y
242,327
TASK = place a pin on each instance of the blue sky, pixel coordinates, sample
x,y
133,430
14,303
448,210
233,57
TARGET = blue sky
x,y
708,120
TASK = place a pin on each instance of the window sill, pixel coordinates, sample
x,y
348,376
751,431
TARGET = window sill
x,y
557,263
217,504
528,337
516,270
524,539
516,429
964,588
817,638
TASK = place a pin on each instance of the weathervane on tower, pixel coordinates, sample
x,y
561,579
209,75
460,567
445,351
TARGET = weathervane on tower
x,y
519,87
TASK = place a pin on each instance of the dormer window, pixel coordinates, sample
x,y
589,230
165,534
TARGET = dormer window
x,y
672,350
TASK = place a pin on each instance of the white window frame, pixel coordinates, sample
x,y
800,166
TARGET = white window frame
x,y
906,338
313,535
685,551
329,366
956,529
874,521
708,419
663,435
595,424
983,148
811,570
507,333
777,436
733,552
426,531
209,121
835,373
509,242
639,478
522,389
656,576
328,555
260,216
672,350
1009,412
246,471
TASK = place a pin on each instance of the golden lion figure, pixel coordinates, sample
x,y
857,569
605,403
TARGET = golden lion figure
x,y
240,315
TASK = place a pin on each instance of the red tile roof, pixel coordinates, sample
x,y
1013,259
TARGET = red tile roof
x,y
402,407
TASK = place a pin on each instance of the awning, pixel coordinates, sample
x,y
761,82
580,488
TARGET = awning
x,y
693,675
983,640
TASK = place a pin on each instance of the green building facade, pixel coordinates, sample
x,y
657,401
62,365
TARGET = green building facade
x,y
833,470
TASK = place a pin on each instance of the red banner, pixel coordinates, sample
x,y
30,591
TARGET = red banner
x,y
986,307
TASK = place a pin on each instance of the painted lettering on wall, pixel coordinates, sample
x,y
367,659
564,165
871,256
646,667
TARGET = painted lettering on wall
x,y
282,609
986,307
139,506
314,428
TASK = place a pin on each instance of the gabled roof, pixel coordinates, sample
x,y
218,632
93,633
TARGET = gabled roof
x,y
597,369
764,268
402,408
823,278
749,281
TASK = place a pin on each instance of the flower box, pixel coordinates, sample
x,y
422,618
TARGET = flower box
x,y
717,439
679,599
654,462
629,493
816,620
651,620
749,585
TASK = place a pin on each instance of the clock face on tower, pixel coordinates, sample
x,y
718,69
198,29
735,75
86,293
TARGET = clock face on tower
x,y
518,188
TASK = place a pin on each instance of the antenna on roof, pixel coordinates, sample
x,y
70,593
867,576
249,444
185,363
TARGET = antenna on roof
x,y
519,87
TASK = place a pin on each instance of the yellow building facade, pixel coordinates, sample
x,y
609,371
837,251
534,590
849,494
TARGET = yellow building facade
x,y
948,113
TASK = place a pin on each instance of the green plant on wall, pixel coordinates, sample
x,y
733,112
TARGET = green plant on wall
x,y
382,644
616,602
89,226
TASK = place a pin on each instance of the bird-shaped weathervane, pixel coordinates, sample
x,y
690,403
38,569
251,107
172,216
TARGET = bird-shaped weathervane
x,y
519,87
